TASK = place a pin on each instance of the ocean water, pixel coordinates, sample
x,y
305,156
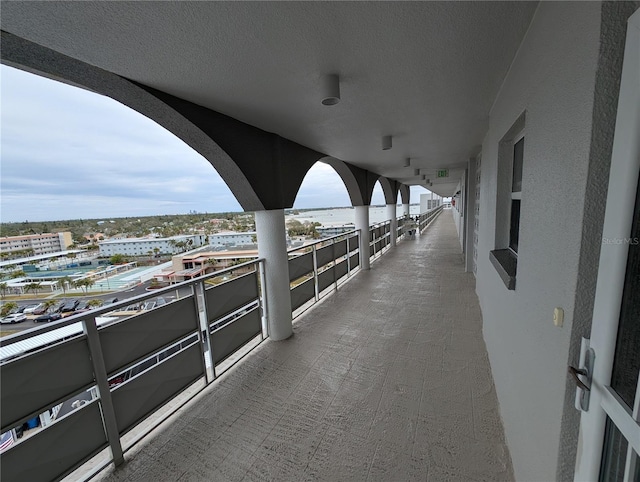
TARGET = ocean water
x,y
339,216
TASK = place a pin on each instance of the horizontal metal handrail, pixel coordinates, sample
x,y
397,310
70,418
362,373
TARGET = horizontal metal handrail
x,y
324,240
102,310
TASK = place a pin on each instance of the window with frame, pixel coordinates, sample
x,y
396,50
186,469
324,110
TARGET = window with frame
x,y
508,203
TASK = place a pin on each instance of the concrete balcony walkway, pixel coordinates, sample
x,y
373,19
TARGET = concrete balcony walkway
x,y
386,380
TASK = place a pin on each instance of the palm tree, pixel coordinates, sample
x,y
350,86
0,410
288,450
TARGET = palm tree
x,y
95,303
8,308
33,287
63,282
3,288
156,251
48,304
17,274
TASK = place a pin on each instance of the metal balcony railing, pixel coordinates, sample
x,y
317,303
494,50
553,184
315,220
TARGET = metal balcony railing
x,y
100,381
317,269
92,378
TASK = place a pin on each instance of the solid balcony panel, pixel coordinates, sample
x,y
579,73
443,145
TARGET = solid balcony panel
x,y
340,248
324,255
371,250
227,297
302,293
341,269
142,335
354,261
59,448
326,278
136,399
228,339
300,266
39,379
353,243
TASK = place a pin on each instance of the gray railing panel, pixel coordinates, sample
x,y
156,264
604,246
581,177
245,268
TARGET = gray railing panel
x,y
56,450
354,260
228,339
324,255
139,336
300,265
340,248
353,243
135,400
341,269
229,296
36,380
326,279
302,293
371,250
371,235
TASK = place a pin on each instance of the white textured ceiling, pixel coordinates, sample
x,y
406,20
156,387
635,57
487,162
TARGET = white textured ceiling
x,y
425,72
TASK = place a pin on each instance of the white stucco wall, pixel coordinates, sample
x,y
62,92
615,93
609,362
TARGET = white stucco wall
x,y
457,212
552,78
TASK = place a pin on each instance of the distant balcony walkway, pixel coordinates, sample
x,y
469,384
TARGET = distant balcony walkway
x,y
386,380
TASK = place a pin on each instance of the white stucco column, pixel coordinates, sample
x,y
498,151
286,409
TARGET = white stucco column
x,y
272,246
391,215
405,209
362,223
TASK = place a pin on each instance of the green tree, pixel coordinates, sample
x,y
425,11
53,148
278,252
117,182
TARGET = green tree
x,y
118,259
18,273
156,251
63,283
35,287
8,308
95,303
3,289
47,305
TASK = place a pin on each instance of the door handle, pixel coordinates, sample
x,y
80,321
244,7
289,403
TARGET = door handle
x,y
582,376
574,372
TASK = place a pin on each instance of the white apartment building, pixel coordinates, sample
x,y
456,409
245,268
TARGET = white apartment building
x,y
232,238
145,246
40,243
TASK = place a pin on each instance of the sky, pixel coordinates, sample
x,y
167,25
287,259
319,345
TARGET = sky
x,y
66,153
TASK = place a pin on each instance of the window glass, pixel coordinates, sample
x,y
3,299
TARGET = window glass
x,y
515,225
518,154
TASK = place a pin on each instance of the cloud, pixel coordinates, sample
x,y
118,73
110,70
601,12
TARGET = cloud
x,y
67,153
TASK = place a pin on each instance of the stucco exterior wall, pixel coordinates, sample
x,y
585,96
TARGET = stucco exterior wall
x,y
552,80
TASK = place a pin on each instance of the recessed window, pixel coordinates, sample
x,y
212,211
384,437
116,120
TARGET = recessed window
x,y
508,206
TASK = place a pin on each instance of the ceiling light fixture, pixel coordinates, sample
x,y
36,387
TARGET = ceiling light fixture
x,y
330,89
407,162
386,143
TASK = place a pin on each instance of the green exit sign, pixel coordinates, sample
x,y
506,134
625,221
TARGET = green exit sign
x,y
443,172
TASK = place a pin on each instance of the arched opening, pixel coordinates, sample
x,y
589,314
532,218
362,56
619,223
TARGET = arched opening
x,y
69,153
322,198
378,206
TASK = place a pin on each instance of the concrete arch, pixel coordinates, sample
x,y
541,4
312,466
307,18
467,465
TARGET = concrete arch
x,y
263,170
405,193
390,189
353,178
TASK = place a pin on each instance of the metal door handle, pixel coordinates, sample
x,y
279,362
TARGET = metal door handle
x,y
574,372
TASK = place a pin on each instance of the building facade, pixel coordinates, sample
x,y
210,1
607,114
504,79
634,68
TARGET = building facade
x,y
35,244
150,246
232,238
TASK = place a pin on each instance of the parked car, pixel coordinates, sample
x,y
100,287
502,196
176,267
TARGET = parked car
x,y
22,308
42,309
33,309
14,318
48,317
69,306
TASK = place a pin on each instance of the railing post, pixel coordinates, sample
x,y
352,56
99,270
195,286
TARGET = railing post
x,y
335,264
393,224
263,301
316,288
204,321
362,224
99,370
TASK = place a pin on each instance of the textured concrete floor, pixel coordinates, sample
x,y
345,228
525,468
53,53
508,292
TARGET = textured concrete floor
x,y
387,380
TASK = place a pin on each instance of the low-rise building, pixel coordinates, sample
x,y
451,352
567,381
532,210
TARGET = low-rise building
x,y
147,246
35,244
191,265
233,238
328,231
